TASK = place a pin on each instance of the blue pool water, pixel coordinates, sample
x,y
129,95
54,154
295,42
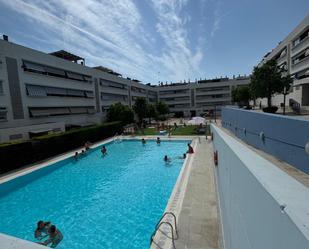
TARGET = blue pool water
x,y
96,202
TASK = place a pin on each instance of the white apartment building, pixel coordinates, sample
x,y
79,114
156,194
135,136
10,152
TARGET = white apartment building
x,y
195,98
42,92
292,54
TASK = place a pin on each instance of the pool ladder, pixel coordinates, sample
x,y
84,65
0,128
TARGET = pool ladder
x,y
158,225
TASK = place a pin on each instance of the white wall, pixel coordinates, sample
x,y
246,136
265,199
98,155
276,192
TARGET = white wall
x,y
251,191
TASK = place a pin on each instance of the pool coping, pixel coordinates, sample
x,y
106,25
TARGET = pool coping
x,y
173,205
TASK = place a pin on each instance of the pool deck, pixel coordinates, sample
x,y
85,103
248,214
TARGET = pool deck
x,y
198,219
194,202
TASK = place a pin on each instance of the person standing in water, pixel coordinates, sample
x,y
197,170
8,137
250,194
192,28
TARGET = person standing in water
x,y
104,150
158,140
143,141
55,237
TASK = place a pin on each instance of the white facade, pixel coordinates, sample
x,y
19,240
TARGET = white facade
x,y
41,93
292,54
199,97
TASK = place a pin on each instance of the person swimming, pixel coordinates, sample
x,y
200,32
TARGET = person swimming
x,y
75,156
184,156
143,141
42,229
158,140
166,159
104,150
55,237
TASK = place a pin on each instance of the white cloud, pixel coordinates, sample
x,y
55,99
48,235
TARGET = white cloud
x,y
112,33
178,58
217,18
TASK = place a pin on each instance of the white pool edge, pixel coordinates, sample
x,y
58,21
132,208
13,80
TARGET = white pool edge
x,y
175,201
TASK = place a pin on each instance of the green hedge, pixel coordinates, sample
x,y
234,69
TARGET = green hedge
x,y
17,155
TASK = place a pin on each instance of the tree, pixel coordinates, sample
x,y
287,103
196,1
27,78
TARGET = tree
x,y
120,112
162,108
140,107
152,112
241,95
268,80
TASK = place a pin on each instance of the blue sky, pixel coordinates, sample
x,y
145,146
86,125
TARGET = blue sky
x,y
152,40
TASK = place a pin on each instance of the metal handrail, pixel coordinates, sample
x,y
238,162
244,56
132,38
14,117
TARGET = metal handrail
x,y
174,216
157,228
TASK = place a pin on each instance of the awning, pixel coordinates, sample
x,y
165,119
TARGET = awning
x,y
89,94
75,76
33,66
78,110
56,91
39,112
40,131
37,91
56,71
74,92
58,111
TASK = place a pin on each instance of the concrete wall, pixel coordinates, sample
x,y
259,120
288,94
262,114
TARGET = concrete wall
x,y
285,137
252,194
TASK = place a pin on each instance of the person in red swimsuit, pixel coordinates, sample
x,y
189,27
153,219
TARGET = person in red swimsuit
x,y
190,149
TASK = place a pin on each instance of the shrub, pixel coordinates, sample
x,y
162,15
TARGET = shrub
x,y
179,114
16,155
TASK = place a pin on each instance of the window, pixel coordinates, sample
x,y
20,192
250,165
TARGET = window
x,y
43,91
78,110
75,93
57,111
3,114
301,56
111,97
36,91
56,72
54,91
302,74
89,94
16,136
1,87
33,67
303,36
75,76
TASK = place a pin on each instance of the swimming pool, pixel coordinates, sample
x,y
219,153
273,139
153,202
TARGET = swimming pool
x,y
96,202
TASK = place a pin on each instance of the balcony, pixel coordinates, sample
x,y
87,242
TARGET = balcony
x,y
113,90
207,93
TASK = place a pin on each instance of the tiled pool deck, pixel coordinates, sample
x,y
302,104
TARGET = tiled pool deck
x,y
194,200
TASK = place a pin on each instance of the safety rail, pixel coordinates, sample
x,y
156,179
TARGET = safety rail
x,y
160,222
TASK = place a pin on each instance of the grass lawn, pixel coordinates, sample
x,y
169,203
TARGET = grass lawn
x,y
147,131
187,130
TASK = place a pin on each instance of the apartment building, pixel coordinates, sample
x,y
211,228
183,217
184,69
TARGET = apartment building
x,y
42,92
292,55
202,96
